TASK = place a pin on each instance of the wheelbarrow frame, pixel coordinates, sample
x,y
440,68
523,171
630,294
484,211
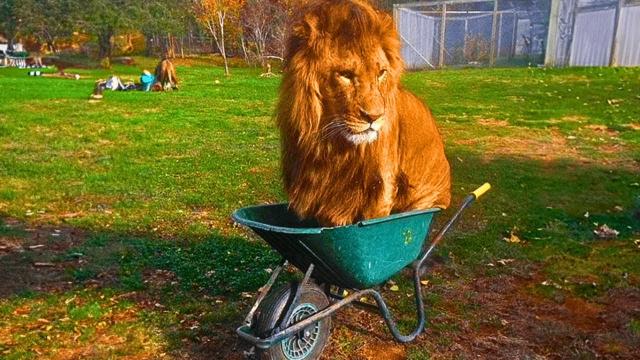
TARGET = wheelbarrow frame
x,y
282,331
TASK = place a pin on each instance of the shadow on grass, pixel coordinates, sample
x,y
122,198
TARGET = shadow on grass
x,y
194,293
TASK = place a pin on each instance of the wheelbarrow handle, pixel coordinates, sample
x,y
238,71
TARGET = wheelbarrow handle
x,y
474,195
481,190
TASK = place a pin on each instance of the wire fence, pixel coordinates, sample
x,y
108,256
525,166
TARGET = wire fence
x,y
472,33
443,33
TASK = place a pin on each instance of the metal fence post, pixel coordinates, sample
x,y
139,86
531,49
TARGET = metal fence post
x,y
443,28
514,36
492,55
613,59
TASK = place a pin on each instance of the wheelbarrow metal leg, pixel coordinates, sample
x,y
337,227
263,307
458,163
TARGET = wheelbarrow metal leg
x,y
296,297
264,291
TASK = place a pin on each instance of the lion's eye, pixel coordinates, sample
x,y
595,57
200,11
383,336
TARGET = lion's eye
x,y
382,75
346,76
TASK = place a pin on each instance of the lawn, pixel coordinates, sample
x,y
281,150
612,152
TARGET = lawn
x,y
116,240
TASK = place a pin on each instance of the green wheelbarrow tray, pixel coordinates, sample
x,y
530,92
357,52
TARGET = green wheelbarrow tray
x,y
358,257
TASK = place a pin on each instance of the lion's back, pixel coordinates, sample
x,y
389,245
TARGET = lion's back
x,y
428,178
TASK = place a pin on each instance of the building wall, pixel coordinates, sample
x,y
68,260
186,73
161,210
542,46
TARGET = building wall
x,y
594,33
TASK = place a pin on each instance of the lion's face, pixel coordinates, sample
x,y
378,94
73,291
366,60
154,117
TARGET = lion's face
x,y
353,92
342,67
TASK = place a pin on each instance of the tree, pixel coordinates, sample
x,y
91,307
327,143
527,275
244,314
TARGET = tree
x,y
164,19
8,20
257,18
265,25
47,20
104,19
213,15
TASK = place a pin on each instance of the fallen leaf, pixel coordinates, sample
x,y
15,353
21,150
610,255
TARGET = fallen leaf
x,y
33,247
394,288
70,215
551,283
618,208
597,127
512,238
605,232
43,264
424,282
504,262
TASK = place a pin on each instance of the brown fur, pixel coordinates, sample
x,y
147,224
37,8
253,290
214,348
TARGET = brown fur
x,y
335,86
165,76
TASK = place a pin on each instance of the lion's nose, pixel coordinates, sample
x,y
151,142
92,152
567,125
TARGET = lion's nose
x,y
371,115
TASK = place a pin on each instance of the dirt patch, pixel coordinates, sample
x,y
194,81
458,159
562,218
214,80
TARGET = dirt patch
x,y
30,260
383,351
573,118
531,144
493,122
603,129
503,317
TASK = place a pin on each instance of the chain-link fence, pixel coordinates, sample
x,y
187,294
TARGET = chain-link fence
x,y
436,34
442,33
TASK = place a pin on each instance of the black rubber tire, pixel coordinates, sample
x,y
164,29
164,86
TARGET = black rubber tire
x,y
272,310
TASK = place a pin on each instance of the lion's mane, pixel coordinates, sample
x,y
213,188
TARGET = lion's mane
x,y
331,180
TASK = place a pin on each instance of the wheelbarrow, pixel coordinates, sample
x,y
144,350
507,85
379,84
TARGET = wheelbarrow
x,y
293,322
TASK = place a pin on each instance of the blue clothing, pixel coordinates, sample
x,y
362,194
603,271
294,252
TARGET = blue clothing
x,y
147,81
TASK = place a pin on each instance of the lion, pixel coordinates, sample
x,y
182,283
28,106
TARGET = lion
x,y
355,144
166,78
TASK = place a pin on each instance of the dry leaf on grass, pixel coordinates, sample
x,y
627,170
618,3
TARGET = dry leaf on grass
x,y
512,237
504,262
43,264
605,232
551,283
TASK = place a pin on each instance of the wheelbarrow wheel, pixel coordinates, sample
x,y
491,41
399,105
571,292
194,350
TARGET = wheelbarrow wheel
x,y
307,344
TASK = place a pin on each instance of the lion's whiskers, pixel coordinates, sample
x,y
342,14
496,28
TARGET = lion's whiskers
x,y
334,127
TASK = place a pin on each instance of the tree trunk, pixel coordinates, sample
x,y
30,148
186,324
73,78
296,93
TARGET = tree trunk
x,y
221,16
244,50
104,44
148,50
219,40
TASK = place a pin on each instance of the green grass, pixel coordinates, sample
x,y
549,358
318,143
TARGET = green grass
x,y
150,180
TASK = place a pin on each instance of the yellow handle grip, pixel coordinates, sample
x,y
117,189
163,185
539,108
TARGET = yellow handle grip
x,y
481,190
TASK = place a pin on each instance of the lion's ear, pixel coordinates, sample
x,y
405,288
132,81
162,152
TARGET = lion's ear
x,y
306,28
